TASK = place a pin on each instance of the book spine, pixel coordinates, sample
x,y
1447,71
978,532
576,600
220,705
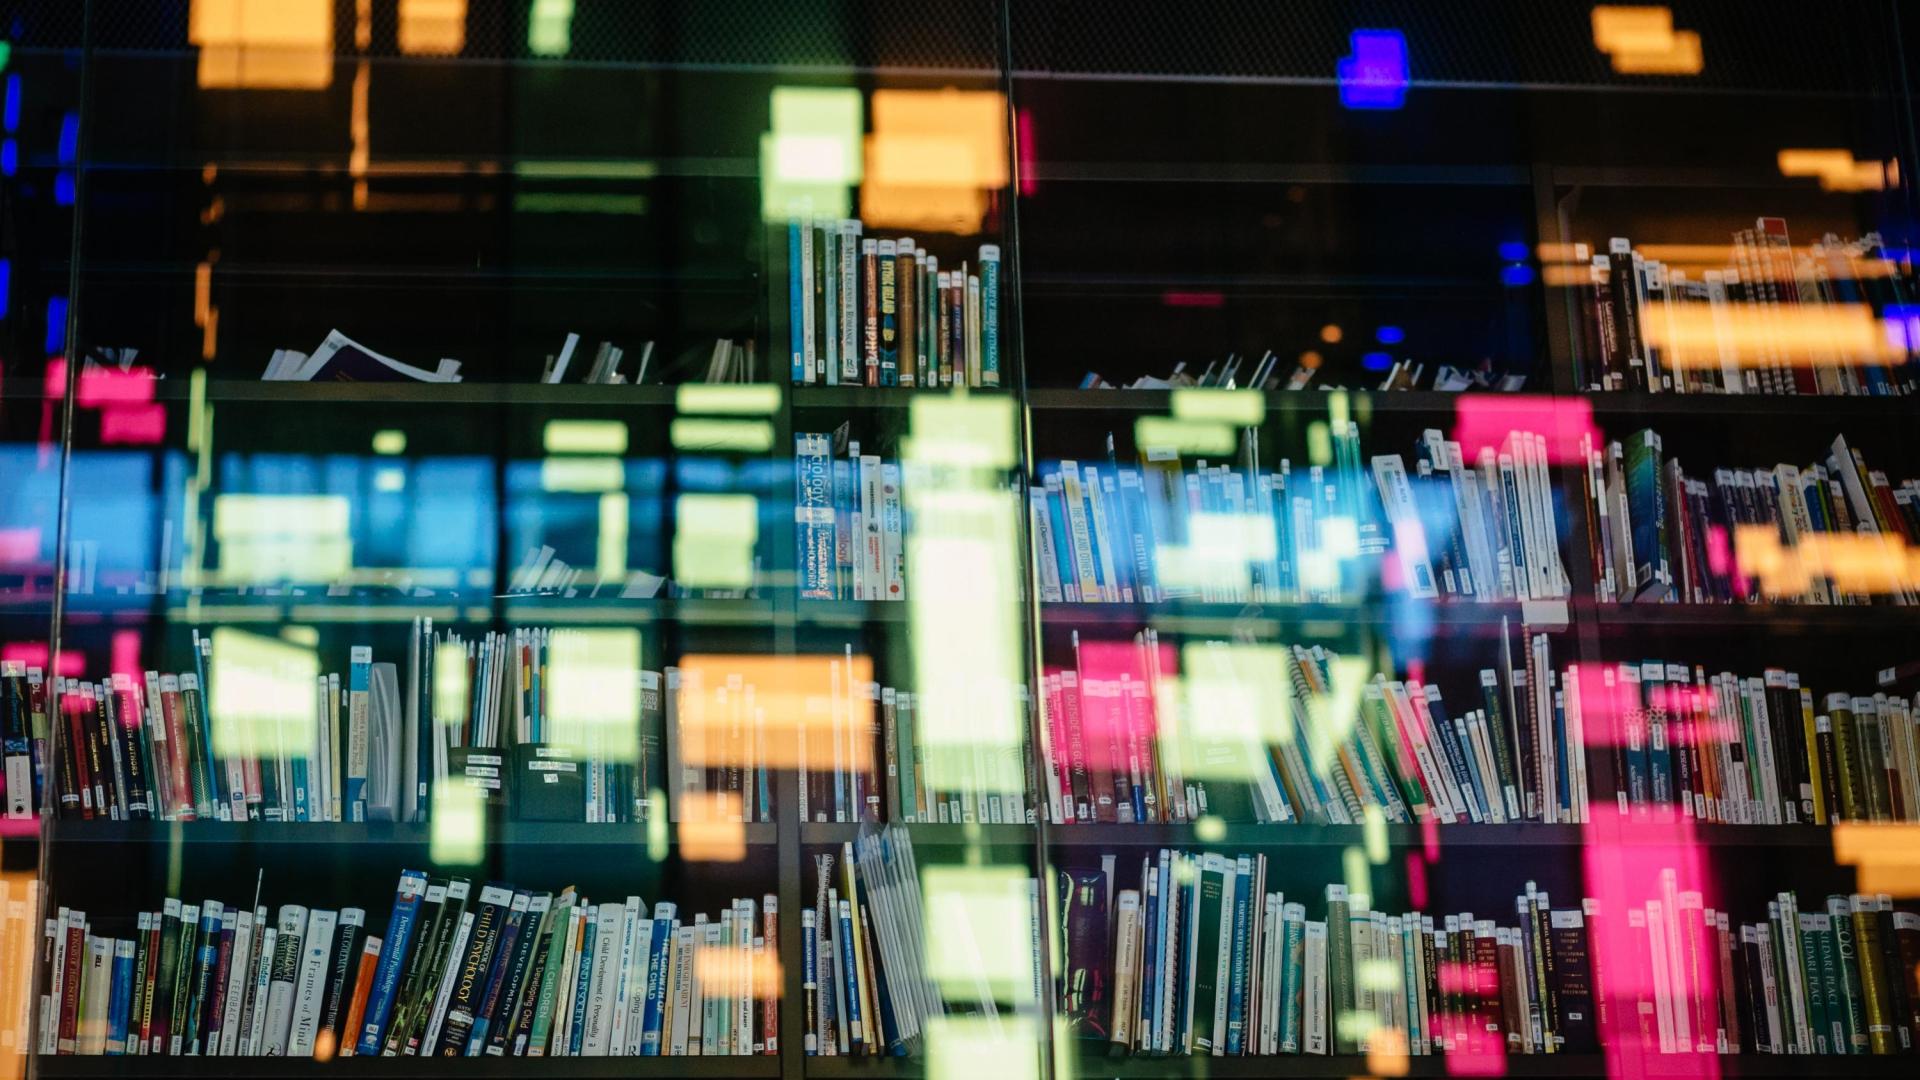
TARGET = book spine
x,y
393,956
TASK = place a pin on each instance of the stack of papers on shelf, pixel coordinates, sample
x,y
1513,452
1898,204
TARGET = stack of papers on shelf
x,y
342,359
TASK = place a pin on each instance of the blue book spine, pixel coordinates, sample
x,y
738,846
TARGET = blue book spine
x,y
300,809
1237,965
360,689
1089,477
581,985
1563,756
1118,537
809,982
1150,965
1062,536
651,1016
813,515
843,529
1169,927
393,956
1139,534
796,305
855,1028
206,960
120,997
989,315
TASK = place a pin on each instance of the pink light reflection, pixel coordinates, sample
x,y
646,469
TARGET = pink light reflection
x,y
19,545
133,425
1023,131
106,387
1485,420
1626,861
1117,722
126,653
34,654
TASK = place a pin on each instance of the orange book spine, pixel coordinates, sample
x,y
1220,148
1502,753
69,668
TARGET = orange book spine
x,y
362,986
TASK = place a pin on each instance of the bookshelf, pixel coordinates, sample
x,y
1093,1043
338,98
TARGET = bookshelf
x,y
1151,211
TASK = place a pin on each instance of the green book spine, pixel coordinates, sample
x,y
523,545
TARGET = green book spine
x,y
1847,968
550,978
1339,971
1206,947
1870,954
1292,976
903,718
1811,976
1850,800
1832,998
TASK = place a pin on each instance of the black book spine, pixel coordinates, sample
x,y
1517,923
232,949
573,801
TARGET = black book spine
x,y
475,963
426,930
420,1014
530,990
100,756
506,1011
348,942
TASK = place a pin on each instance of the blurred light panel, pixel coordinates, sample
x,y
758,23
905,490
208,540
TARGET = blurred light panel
x,y
263,44
812,156
12,117
695,434
713,540
1641,40
272,538
979,930
1243,408
743,400
799,695
550,27
584,437
433,27
459,836
1837,170
390,441
262,694
934,159
594,679
1374,75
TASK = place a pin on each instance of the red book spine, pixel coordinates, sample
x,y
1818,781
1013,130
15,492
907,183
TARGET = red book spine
x,y
76,962
74,754
180,791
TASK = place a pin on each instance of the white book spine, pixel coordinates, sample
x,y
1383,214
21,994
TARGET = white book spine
x,y
316,950
443,997
1314,1014
280,994
239,975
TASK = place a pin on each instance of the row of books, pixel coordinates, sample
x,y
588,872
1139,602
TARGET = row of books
x,y
1744,327
870,761
1202,958
513,704
1786,533
1222,533
1121,744
864,974
1265,374
865,311
499,972
849,525
1836,980
1754,750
